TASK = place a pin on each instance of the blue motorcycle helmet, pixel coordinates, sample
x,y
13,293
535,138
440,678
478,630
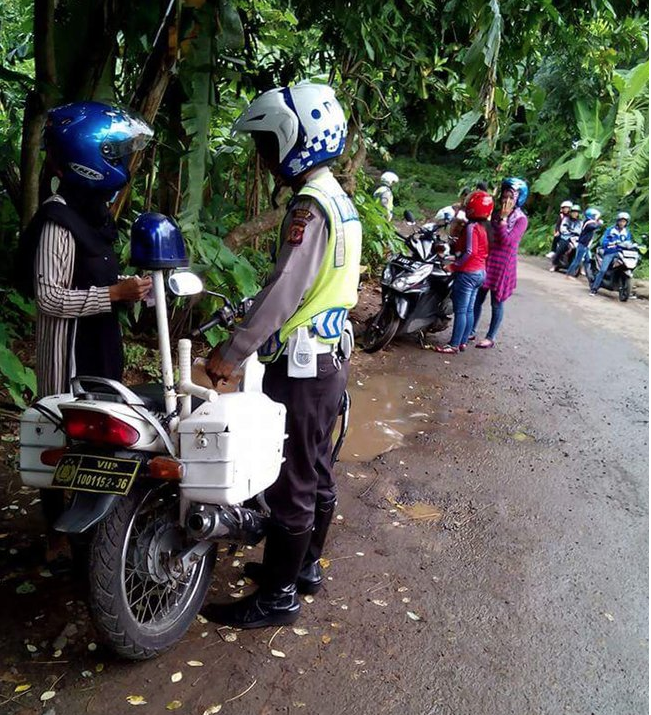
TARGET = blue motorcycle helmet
x,y
518,185
592,214
89,144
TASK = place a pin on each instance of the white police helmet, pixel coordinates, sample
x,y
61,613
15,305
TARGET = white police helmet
x,y
623,215
388,178
307,121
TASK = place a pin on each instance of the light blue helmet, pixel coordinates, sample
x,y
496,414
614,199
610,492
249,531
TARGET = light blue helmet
x,y
592,214
307,121
519,186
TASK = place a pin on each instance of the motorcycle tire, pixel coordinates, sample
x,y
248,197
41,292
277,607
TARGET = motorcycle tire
x,y
138,605
624,289
381,330
589,272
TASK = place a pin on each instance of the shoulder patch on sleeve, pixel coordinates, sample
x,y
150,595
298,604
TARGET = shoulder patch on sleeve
x,y
304,214
295,232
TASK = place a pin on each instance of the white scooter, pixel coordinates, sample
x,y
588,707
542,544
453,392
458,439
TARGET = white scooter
x,y
156,481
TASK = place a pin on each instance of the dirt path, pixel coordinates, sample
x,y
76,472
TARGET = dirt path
x,y
495,562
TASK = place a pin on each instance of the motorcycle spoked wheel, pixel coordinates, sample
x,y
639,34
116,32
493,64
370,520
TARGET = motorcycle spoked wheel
x,y
624,288
381,329
139,604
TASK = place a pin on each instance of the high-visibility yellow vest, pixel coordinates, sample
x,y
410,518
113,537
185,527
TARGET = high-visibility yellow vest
x,y
326,303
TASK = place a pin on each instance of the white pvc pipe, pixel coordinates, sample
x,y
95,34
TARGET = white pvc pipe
x,y
186,385
164,342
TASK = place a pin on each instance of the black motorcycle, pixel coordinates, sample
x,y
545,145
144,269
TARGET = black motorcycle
x,y
415,289
620,272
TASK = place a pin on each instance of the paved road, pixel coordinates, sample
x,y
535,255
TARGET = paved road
x,y
511,523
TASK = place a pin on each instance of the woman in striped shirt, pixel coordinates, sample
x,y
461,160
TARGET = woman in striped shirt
x,y
66,258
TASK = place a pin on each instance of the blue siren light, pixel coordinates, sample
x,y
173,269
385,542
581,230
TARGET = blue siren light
x,y
157,243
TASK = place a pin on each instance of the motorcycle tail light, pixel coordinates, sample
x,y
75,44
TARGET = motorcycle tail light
x,y
51,457
98,428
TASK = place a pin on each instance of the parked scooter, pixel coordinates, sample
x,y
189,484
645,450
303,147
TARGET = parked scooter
x,y
619,275
157,476
415,289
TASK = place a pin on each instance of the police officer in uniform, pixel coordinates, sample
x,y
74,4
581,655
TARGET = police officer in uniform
x,y
296,324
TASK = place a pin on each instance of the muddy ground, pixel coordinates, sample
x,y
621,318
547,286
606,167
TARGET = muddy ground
x,y
494,562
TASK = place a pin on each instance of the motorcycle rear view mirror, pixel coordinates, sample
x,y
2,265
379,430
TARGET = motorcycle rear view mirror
x,y
409,218
183,283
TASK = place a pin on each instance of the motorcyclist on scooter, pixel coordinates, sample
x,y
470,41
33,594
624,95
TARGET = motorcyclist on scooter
x,y
614,236
384,193
569,231
590,226
564,211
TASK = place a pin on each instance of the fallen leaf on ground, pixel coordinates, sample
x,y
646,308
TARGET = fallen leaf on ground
x,y
359,553
406,600
212,710
413,616
237,594
379,602
309,599
202,620
609,616
174,705
238,554
92,646
325,563
360,662
22,688
176,677
326,639
47,695
99,667
26,587
300,631
31,648
278,654
195,663
136,700
230,637
402,589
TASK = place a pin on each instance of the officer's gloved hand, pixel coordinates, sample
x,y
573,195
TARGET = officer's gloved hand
x,y
218,369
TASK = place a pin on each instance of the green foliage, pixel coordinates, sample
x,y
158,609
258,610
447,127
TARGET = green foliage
x,y
18,379
141,359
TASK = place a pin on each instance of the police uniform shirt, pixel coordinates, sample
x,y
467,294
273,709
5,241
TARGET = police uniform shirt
x,y
304,239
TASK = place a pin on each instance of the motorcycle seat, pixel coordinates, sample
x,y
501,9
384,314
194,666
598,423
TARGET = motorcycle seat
x,y
152,395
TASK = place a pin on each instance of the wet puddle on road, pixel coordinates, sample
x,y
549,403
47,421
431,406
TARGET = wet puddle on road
x,y
385,409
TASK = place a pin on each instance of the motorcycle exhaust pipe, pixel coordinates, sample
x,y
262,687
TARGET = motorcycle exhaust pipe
x,y
210,522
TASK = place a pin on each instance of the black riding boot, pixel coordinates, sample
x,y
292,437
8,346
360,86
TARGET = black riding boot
x,y
276,602
310,576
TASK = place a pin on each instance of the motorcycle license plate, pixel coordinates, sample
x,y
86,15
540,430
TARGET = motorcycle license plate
x,y
406,261
102,475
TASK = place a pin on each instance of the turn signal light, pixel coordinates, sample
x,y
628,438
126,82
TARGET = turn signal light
x,y
165,468
98,428
51,457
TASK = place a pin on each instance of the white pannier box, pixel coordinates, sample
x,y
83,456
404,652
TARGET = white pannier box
x,y
39,432
232,448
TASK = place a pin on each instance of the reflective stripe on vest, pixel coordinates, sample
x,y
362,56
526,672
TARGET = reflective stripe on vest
x,y
326,303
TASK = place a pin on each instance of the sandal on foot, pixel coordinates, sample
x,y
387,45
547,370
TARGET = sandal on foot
x,y
485,344
447,349
471,338
462,347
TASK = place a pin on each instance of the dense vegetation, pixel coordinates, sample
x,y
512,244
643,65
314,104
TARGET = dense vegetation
x,y
469,89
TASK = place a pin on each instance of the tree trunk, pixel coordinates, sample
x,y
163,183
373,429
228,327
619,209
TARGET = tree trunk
x,y
36,106
262,223
353,165
148,97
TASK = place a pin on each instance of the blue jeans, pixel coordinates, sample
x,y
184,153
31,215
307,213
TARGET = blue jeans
x,y
497,313
464,292
605,265
573,269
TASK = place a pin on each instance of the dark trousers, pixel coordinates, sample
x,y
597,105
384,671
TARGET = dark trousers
x,y
561,249
312,404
